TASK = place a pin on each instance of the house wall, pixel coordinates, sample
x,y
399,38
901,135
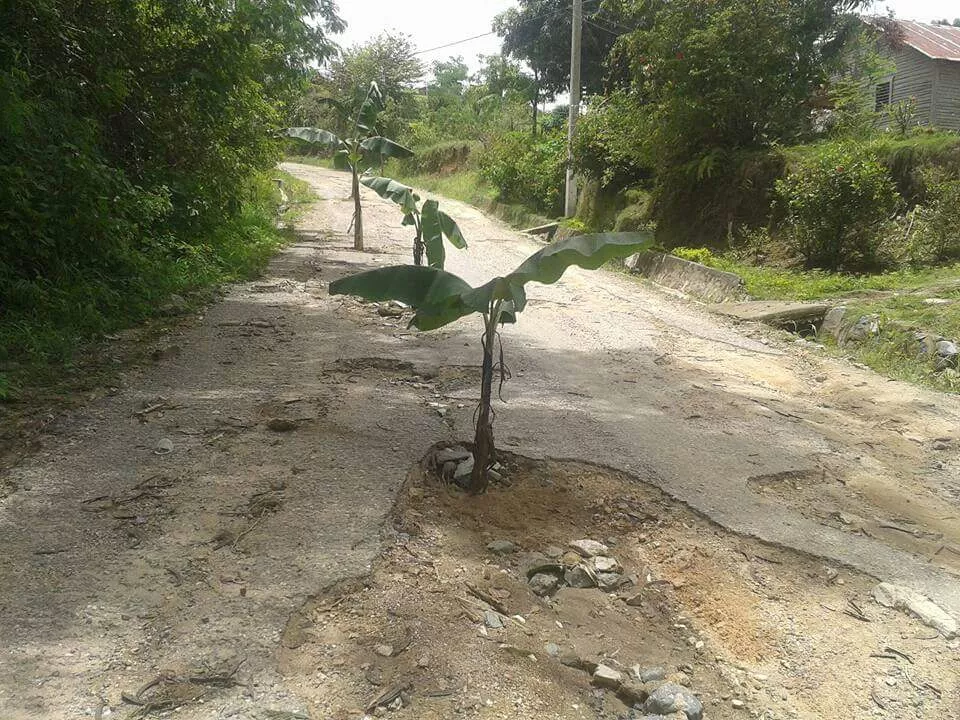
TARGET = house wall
x,y
946,104
915,77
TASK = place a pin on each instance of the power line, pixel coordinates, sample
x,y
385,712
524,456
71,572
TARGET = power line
x,y
457,42
487,34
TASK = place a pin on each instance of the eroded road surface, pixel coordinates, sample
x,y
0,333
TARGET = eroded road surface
x,y
174,527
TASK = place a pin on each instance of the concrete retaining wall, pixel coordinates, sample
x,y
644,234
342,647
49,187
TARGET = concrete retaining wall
x,y
702,282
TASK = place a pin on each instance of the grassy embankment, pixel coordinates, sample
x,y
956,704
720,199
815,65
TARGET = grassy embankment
x,y
60,343
899,298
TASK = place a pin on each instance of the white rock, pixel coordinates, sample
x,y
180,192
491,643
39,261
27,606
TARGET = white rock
x,y
607,677
589,548
912,602
606,565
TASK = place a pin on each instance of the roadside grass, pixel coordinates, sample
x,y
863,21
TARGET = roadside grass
x,y
71,318
896,351
767,283
468,187
898,298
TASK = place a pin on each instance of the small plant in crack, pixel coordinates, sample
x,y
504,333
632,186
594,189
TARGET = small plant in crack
x,y
359,152
440,298
429,222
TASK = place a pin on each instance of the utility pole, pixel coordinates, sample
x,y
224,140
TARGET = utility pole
x,y
571,197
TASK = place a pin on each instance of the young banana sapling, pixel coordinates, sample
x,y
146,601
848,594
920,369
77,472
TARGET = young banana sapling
x,y
439,298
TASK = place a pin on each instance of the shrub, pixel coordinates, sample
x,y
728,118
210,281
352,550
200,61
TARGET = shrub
x,y
937,231
442,158
636,215
527,171
704,256
716,196
835,201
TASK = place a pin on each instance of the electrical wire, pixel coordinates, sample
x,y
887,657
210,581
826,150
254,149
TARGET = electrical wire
x,y
544,16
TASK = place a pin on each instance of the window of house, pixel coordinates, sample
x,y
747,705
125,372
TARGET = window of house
x,y
884,93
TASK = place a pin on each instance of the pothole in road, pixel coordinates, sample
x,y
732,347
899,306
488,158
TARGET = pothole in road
x,y
449,624
789,481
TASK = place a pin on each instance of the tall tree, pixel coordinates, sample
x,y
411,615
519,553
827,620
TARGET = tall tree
x,y
387,60
730,73
538,33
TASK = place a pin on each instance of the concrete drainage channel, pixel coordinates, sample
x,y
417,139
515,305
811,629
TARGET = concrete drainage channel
x,y
725,294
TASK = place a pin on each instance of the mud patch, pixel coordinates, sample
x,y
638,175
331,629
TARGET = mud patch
x,y
445,627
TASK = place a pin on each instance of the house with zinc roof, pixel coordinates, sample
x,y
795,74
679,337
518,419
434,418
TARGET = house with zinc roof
x,y
927,60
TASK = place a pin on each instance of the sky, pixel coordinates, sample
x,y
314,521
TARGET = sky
x,y
432,23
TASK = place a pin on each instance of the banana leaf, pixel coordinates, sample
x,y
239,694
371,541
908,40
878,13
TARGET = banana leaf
x,y
390,189
313,135
379,146
440,297
437,225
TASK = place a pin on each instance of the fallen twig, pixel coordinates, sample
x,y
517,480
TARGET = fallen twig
x,y
150,409
487,598
897,652
249,530
856,612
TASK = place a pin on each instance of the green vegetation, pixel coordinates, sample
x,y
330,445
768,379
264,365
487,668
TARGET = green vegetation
x,y
525,172
134,138
834,204
40,345
896,352
440,298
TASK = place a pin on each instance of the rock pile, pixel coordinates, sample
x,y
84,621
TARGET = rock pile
x,y
587,564
584,564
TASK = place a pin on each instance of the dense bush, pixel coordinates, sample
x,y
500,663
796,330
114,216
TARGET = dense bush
x,y
835,202
716,198
937,232
528,171
442,158
131,137
612,142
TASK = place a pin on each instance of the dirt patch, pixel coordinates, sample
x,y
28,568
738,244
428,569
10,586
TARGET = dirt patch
x,y
446,627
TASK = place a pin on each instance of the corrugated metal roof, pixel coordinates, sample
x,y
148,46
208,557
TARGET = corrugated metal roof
x,y
940,42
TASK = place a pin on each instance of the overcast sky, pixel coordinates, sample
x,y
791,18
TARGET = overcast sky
x,y
437,22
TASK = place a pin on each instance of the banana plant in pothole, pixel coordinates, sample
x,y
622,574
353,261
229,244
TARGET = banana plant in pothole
x,y
429,222
359,152
439,298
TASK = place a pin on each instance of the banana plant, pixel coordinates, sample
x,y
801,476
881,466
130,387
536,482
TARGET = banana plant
x,y
439,298
429,222
356,153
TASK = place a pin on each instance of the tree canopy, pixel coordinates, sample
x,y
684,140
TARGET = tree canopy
x,y
538,33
